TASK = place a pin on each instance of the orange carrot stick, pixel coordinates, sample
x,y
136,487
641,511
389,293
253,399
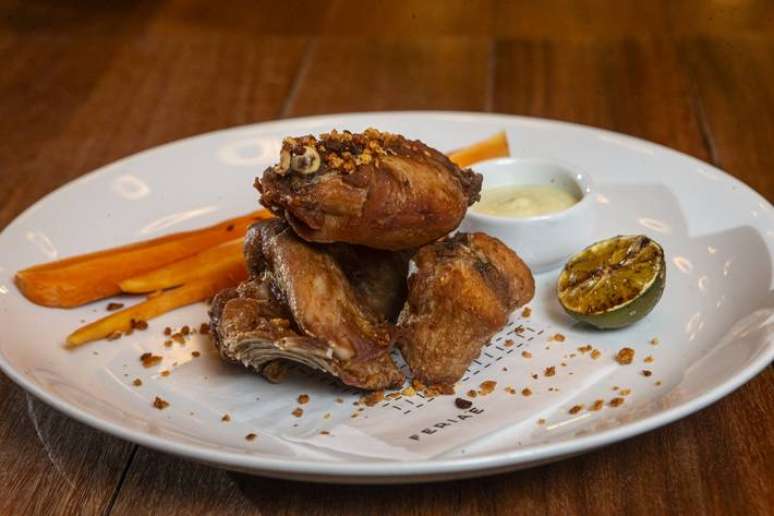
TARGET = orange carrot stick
x,y
496,146
186,270
228,275
85,278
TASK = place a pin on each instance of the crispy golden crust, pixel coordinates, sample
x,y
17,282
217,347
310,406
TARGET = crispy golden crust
x,y
462,292
374,189
301,307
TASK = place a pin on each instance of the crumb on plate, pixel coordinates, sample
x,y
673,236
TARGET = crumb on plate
x,y
462,403
150,360
160,403
624,356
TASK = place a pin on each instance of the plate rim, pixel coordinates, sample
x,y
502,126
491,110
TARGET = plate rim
x,y
388,471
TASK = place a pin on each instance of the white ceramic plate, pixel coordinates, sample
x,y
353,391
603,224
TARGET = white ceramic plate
x,y
714,322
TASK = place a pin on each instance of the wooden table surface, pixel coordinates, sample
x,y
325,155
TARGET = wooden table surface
x,y
85,83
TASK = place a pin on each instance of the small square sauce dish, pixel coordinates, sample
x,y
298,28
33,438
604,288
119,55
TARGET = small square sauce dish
x,y
541,208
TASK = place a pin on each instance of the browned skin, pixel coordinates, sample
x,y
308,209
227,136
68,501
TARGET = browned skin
x,y
374,189
461,294
378,277
300,306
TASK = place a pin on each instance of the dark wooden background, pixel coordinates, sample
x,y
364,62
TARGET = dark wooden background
x,y
85,83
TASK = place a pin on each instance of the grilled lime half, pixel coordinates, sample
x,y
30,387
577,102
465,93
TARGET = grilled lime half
x,y
613,283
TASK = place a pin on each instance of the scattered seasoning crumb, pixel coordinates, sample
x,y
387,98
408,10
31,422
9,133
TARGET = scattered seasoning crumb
x,y
526,354
204,328
624,356
648,359
647,372
572,355
526,312
550,371
149,359
584,349
114,306
472,394
541,421
534,376
160,403
138,324
551,389
658,383
250,437
137,382
505,368
177,337
114,336
168,343
303,399
510,390
339,400
164,373
597,405
508,343
486,387
327,415
596,354
526,391
616,402
369,399
185,330
195,354
408,391
167,331
519,330
558,337
563,364
575,409
324,432
226,418
654,341
298,412
462,403
625,392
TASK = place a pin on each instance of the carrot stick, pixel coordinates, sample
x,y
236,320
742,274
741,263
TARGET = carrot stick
x,y
496,146
85,278
186,270
228,275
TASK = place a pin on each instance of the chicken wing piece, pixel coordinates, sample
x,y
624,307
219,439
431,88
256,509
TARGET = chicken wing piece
x,y
374,189
300,306
378,277
461,293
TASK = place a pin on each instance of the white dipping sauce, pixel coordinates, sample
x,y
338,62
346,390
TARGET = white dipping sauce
x,y
519,201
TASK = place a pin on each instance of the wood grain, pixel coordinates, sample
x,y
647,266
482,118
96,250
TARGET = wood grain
x,y
735,111
51,464
86,83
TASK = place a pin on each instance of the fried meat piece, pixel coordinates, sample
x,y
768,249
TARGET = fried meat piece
x,y
378,276
300,306
461,293
374,189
